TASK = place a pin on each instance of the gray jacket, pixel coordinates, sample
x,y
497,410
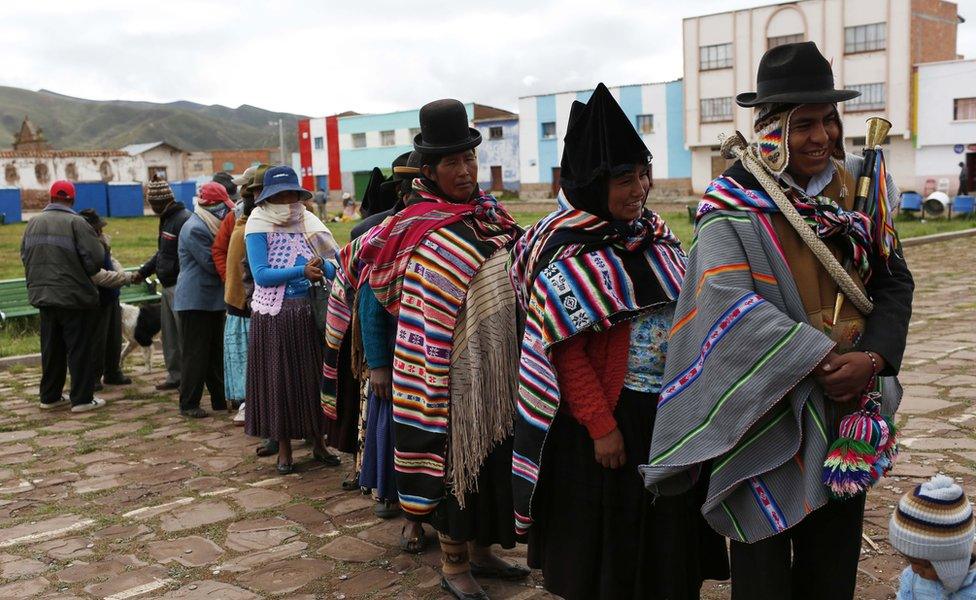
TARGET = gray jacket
x,y
61,252
198,286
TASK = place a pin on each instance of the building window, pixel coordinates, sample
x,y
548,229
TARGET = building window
x,y
359,140
228,166
645,123
388,138
549,130
964,109
495,133
714,110
865,38
779,40
718,56
319,143
414,132
872,97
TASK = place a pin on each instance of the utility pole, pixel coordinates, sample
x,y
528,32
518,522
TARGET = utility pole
x,y
281,140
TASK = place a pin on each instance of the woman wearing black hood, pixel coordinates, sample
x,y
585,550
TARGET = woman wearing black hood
x,y
598,282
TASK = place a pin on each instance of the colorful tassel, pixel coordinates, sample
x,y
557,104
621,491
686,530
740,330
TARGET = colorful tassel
x,y
864,451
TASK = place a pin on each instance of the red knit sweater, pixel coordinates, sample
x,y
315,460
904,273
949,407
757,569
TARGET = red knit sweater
x,y
221,242
591,368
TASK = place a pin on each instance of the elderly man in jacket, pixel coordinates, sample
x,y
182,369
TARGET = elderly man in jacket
x,y
61,252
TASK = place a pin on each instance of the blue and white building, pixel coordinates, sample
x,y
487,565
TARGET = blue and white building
x,y
655,109
498,154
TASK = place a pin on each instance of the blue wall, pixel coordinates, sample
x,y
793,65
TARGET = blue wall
x,y
503,153
679,158
548,149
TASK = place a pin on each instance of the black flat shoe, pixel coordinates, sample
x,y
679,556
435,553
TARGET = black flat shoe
x,y
287,469
168,385
386,509
509,572
267,448
118,380
351,483
328,459
194,413
449,588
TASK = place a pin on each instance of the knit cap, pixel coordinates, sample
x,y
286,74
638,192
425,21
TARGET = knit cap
x,y
934,522
159,195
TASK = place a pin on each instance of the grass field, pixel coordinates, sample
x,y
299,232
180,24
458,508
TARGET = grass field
x,y
134,240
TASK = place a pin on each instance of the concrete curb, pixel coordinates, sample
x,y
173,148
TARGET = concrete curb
x,y
938,237
35,359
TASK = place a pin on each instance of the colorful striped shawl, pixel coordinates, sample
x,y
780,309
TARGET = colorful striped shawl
x,y
342,299
737,395
424,259
567,280
826,217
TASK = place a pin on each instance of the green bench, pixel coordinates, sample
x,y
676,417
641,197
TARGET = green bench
x,y
14,304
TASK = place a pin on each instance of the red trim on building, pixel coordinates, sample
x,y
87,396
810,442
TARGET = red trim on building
x,y
332,139
305,154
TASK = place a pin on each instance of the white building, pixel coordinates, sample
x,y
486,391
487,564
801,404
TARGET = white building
x,y
872,44
160,159
947,125
655,110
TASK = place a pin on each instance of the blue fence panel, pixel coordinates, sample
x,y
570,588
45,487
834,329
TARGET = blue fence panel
x,y
125,200
10,207
963,205
91,194
184,191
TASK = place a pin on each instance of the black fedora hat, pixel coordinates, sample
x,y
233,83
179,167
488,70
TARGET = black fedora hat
x,y
444,129
794,74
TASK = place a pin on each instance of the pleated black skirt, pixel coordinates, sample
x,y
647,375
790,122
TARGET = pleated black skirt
x,y
599,534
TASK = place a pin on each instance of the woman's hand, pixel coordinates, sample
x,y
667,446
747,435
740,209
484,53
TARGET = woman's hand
x,y
844,376
313,271
381,382
609,450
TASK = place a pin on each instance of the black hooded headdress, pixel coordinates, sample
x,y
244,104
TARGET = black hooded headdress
x,y
377,197
600,142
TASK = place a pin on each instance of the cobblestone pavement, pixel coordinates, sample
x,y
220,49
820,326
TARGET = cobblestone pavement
x,y
134,501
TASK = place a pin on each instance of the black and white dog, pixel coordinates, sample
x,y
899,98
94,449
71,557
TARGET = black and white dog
x,y
140,326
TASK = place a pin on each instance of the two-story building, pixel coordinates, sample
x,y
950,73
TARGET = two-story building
x,y
873,45
946,132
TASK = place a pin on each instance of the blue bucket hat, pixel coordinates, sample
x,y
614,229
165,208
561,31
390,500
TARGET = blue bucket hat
x,y
281,179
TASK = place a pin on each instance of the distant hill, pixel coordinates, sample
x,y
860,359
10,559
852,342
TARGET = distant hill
x,y
79,124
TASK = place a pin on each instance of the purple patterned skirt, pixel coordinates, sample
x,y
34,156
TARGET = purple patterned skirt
x,y
284,369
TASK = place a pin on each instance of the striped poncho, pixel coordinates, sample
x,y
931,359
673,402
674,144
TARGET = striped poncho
x,y
574,272
422,262
738,398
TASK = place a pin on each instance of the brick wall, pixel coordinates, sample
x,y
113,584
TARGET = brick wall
x,y
241,159
934,24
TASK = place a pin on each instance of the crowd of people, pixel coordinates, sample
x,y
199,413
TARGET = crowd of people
x,y
583,385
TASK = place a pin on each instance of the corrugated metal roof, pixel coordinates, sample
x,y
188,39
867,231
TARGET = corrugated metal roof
x,y
136,149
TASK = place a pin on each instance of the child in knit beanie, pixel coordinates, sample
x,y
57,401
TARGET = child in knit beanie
x,y
933,527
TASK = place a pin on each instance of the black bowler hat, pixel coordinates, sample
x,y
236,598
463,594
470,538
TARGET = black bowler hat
x,y
794,74
444,129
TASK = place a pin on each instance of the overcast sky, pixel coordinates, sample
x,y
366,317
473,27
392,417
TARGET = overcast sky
x,y
319,58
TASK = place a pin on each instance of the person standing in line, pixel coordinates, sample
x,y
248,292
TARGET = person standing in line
x,y
288,248
963,180
60,253
199,301
107,345
165,264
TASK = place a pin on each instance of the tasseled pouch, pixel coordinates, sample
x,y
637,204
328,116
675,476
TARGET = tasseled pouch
x,y
864,452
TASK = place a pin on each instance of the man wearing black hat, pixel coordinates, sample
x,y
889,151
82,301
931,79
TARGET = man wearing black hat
x,y
768,397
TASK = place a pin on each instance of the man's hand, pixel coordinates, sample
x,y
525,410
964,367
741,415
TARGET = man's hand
x,y
381,382
609,450
844,376
134,277
313,272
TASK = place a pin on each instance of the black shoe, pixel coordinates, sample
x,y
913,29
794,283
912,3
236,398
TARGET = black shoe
x,y
285,469
267,448
195,413
168,385
509,572
118,380
98,387
351,482
327,458
449,587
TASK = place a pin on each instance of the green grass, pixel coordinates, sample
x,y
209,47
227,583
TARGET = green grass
x,y
134,240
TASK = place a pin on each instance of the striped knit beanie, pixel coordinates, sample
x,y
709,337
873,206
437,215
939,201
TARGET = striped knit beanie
x,y
159,196
935,523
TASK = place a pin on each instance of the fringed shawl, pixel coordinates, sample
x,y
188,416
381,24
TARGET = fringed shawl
x,y
573,272
423,260
738,399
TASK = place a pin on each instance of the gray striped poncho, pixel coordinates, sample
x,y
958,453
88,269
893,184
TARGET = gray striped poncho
x,y
739,400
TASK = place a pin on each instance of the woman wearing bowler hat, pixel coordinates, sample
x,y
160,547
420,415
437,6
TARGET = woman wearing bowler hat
x,y
763,376
438,267
288,248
